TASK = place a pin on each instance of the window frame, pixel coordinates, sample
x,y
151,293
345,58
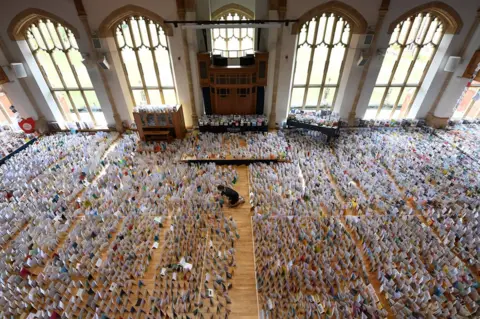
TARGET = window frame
x,y
222,16
417,47
3,108
346,26
144,87
476,87
73,45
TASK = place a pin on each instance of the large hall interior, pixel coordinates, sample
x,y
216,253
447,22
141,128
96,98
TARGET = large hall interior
x,y
239,159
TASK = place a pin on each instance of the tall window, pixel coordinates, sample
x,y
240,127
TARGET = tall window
x,y
143,48
233,42
6,114
56,52
321,50
411,49
469,107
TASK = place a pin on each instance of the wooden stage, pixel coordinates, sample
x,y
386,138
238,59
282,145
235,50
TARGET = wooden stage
x,y
231,161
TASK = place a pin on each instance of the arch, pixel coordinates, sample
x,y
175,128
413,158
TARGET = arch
x,y
450,18
110,22
233,7
351,15
22,21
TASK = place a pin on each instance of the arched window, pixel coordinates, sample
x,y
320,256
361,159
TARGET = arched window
x,y
412,46
6,114
321,51
233,42
143,48
469,107
58,57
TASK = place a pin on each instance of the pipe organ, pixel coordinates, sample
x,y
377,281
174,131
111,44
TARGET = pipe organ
x,y
233,89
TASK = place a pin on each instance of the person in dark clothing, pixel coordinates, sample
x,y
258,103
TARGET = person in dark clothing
x,y
233,197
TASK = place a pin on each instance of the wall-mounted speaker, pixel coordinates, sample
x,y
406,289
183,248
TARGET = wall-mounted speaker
x,y
19,70
104,63
452,63
362,60
368,39
97,44
247,60
219,60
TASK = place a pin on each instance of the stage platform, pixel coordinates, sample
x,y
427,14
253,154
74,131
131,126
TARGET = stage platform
x,y
18,150
232,129
232,161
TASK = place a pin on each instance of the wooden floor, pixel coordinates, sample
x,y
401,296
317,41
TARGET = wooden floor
x,y
244,291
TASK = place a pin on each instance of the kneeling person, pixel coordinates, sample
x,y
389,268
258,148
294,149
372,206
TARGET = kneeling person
x,y
233,197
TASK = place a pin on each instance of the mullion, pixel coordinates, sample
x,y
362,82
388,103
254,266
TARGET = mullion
x,y
424,74
312,55
403,85
226,36
315,86
327,60
60,76
123,61
470,105
395,105
4,112
75,75
155,64
139,64
395,66
343,61
472,102
66,117
64,84
57,67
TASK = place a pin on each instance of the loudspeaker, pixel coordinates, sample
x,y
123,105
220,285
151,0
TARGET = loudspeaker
x,y
362,60
104,63
97,44
260,99
368,39
19,70
207,101
219,60
247,60
452,63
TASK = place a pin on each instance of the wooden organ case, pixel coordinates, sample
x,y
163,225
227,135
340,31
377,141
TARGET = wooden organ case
x,y
233,89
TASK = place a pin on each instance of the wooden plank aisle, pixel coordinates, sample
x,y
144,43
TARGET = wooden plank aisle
x,y
371,275
244,291
150,273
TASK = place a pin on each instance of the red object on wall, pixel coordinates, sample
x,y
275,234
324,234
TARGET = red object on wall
x,y
27,125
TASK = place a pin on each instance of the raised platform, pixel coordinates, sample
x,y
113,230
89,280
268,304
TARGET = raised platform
x,y
329,131
233,161
232,129
18,150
